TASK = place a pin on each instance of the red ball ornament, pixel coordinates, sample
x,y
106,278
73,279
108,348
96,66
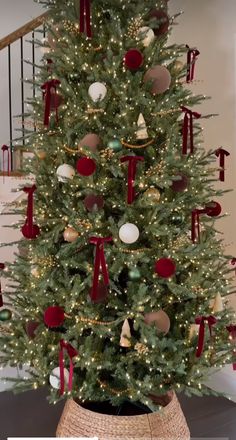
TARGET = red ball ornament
x,y
165,267
30,328
86,166
54,316
163,21
181,184
213,209
93,203
30,231
133,59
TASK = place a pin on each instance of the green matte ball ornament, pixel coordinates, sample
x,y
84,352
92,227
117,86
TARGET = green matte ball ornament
x,y
115,145
134,274
5,315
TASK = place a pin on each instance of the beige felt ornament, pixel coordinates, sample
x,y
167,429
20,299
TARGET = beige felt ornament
x,y
218,305
125,335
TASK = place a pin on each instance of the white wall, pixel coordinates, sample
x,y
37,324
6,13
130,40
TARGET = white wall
x,y
15,13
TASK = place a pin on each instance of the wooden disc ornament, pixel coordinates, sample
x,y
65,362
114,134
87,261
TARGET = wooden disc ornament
x,y
93,203
160,79
70,234
86,166
91,140
180,184
54,316
165,267
213,209
161,22
161,320
133,59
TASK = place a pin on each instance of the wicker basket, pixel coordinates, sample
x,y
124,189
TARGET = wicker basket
x,y
168,424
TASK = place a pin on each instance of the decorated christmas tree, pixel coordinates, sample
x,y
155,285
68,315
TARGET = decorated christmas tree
x,y
121,272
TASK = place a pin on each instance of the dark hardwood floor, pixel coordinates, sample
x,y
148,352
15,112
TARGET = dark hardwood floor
x,y
30,415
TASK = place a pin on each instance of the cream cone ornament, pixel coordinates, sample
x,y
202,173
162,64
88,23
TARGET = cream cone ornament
x,y
125,335
218,305
142,128
193,331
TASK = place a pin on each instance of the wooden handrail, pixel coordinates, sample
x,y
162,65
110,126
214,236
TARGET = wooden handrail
x,y
23,30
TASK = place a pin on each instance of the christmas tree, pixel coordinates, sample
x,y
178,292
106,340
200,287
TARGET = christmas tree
x,y
121,273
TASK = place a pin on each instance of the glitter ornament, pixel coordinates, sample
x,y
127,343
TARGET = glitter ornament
x,y
152,196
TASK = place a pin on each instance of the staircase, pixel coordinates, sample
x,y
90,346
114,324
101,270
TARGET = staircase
x,y
19,52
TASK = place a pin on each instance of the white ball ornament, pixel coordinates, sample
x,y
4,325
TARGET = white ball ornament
x,y
129,233
65,172
147,35
54,378
97,91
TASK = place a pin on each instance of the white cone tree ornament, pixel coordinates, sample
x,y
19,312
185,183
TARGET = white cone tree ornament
x,y
193,331
142,133
125,335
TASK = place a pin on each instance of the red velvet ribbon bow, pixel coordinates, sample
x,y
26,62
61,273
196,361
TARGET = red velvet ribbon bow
x,y
188,129
2,267
29,229
221,153
132,167
195,232
100,262
232,331
72,352
47,94
191,61
211,320
6,150
85,17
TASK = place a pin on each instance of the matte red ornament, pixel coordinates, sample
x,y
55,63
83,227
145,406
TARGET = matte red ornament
x,y
30,328
29,229
93,203
163,21
181,184
133,59
213,209
165,267
86,166
54,316
101,293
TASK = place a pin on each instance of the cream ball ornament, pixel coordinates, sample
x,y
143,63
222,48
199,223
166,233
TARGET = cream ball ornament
x,y
146,35
97,91
70,234
65,172
54,378
129,233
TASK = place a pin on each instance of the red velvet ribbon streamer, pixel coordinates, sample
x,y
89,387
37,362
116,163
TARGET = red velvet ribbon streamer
x,y
6,149
188,129
132,167
191,61
100,262
222,154
211,320
29,229
2,267
85,17
232,331
195,231
72,352
47,94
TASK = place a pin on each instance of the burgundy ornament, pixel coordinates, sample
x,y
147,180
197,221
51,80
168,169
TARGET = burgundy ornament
x,y
54,316
133,59
181,184
165,267
90,140
93,203
101,293
213,209
86,166
30,328
160,79
163,21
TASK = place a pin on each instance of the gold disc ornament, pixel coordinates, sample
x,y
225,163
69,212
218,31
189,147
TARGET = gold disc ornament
x,y
152,196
